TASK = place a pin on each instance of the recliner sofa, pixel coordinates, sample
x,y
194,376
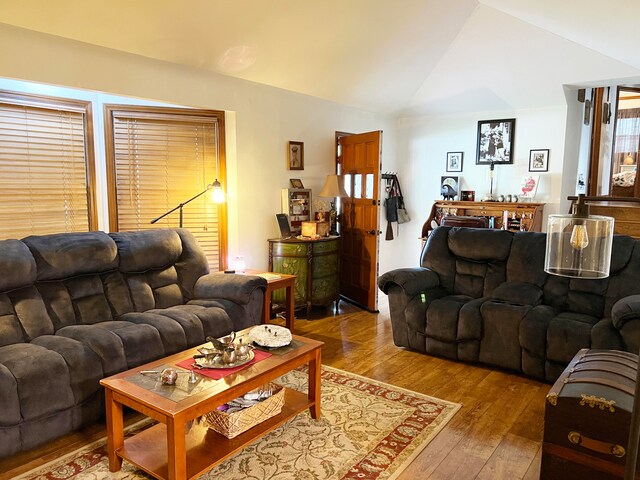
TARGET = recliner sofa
x,y
481,295
77,307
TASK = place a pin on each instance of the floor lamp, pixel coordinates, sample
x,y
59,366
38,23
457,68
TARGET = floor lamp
x,y
579,246
218,197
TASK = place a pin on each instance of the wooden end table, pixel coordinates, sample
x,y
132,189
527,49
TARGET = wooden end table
x,y
286,281
170,450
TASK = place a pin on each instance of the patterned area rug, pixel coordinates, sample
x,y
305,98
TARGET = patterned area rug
x,y
368,430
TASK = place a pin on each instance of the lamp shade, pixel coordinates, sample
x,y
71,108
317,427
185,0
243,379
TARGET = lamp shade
x,y
579,246
333,187
217,195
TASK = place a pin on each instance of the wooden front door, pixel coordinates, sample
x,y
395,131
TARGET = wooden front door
x,y
359,226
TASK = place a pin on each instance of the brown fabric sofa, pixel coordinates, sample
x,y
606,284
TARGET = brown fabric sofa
x,y
482,295
80,306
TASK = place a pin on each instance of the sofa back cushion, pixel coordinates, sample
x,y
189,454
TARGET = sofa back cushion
x,y
64,255
526,260
596,297
70,267
160,267
468,261
22,312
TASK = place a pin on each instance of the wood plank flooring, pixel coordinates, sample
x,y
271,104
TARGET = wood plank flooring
x,y
496,435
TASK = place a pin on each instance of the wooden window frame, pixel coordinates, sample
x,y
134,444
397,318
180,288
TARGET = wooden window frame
x,y
152,112
83,107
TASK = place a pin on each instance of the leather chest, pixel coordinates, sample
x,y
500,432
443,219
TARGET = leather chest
x,y
587,417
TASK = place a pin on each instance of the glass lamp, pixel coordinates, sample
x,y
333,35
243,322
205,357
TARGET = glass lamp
x,y
579,244
217,195
333,187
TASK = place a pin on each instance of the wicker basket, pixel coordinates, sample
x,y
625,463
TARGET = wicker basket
x,y
233,424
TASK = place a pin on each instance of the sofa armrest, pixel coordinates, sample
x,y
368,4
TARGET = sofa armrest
x,y
520,293
625,310
233,287
412,280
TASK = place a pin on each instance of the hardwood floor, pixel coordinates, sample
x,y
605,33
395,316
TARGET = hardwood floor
x,y
496,435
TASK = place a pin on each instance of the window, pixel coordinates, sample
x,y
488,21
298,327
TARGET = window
x,y
46,166
158,158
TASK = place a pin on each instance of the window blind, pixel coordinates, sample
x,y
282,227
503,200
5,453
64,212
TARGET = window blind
x,y
161,158
45,164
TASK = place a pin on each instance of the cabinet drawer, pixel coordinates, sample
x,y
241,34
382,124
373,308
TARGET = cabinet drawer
x,y
294,249
325,247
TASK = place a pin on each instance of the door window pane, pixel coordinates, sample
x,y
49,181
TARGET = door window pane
x,y
357,185
368,192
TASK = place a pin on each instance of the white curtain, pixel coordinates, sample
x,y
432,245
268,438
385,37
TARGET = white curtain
x,y
627,130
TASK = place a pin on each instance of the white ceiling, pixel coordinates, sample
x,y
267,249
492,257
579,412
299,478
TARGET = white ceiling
x,y
410,57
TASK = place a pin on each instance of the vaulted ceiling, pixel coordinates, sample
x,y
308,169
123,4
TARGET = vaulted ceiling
x,y
408,57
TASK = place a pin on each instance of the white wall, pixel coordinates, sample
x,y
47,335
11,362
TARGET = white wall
x,y
425,141
260,122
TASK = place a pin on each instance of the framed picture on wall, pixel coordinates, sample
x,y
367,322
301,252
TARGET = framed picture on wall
x,y
454,161
495,141
296,183
296,156
539,160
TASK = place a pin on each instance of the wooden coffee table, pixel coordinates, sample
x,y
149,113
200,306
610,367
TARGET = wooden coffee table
x,y
170,450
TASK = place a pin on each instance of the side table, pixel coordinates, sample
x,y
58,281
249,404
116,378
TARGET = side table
x,y
276,281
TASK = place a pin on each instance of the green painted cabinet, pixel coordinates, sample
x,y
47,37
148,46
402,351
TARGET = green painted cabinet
x,y
315,264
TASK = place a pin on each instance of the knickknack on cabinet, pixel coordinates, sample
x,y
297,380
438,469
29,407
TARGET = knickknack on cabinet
x,y
296,202
518,216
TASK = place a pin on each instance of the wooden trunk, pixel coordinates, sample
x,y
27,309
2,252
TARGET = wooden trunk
x,y
587,417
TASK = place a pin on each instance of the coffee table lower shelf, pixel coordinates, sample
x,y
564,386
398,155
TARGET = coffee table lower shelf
x,y
205,447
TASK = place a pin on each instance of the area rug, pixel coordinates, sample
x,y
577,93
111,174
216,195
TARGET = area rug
x,y
368,430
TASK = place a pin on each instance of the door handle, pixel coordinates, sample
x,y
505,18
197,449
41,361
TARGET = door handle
x,y
373,232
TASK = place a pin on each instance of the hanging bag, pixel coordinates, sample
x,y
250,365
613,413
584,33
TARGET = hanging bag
x,y
401,211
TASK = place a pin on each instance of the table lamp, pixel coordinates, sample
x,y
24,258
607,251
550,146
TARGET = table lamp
x,y
333,187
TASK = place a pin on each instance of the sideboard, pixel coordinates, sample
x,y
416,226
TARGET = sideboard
x,y
314,262
519,215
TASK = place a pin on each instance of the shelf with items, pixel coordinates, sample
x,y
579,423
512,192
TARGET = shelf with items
x,y
518,216
296,203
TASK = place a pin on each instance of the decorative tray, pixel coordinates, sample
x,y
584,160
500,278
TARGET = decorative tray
x,y
217,362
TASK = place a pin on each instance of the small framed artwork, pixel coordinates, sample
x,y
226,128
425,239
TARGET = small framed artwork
x,y
495,141
296,156
449,187
529,186
454,161
296,183
539,160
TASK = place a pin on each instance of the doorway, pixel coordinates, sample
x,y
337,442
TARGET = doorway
x,y
358,162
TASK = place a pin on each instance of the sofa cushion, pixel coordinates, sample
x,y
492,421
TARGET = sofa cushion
x,y
17,265
518,293
500,333
481,245
42,381
147,249
10,331
31,312
442,317
76,301
192,263
237,288
527,256
85,368
64,255
567,333
624,310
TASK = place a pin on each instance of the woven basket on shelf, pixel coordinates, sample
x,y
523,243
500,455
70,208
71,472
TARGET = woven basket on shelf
x,y
233,424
